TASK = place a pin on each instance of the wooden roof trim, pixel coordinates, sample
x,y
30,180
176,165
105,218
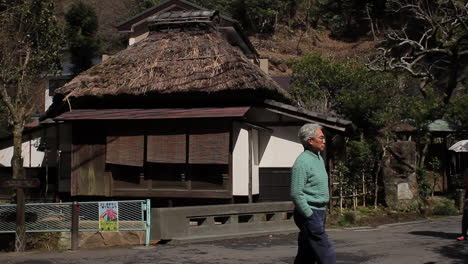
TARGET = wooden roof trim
x,y
150,114
308,116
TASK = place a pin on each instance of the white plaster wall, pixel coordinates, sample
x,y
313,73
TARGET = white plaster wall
x,y
240,161
47,97
255,171
258,114
279,149
32,158
6,152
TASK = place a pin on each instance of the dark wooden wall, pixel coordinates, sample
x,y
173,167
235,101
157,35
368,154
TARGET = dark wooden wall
x,y
88,174
275,184
116,158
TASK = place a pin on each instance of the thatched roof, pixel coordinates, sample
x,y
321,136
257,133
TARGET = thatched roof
x,y
178,58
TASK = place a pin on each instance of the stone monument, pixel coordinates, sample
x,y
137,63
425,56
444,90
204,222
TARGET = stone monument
x,y
399,175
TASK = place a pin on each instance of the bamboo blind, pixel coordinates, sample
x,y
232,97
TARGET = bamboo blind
x,y
125,150
209,148
167,148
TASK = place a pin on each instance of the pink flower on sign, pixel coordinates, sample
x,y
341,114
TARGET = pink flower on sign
x,y
109,215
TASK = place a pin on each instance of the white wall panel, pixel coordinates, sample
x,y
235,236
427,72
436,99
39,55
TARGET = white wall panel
x,y
255,161
240,162
32,158
279,149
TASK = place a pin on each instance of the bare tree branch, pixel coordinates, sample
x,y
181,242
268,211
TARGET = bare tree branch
x,y
440,47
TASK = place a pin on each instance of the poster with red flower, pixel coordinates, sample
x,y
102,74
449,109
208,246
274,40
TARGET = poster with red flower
x,y
108,216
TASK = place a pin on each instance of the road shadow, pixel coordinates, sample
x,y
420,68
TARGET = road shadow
x,y
445,235
457,251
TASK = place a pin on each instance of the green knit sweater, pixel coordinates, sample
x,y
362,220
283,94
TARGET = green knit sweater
x,y
309,183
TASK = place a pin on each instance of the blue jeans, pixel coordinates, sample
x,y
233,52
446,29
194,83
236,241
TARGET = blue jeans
x,y
313,244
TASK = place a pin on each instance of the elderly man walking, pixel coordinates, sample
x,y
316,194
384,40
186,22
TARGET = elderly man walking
x,y
309,192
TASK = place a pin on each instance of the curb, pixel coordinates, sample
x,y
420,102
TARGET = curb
x,y
404,223
209,238
359,228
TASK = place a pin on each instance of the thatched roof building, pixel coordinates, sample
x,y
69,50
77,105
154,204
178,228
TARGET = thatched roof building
x,y
183,54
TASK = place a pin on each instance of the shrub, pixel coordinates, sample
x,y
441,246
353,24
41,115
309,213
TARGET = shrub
x,y
34,241
444,207
424,184
351,217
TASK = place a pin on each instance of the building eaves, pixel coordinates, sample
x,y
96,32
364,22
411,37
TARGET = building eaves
x,y
306,115
151,114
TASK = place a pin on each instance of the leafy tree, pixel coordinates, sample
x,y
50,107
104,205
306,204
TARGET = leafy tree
x,y
255,16
428,41
82,25
368,99
457,113
349,19
29,48
346,88
420,112
259,16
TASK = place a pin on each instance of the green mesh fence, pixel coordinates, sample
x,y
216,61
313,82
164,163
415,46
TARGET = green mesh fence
x,y
57,217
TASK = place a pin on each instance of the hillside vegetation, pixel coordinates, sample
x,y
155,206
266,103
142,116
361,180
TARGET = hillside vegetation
x,y
280,44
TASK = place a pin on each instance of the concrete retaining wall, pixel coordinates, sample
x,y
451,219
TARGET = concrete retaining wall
x,y
221,221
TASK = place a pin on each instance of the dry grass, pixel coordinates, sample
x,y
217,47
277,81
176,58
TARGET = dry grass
x,y
291,45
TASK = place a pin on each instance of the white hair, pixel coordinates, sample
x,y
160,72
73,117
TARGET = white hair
x,y
308,131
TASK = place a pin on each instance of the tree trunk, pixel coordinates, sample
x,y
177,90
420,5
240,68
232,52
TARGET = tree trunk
x,y
20,239
452,78
422,158
17,159
376,179
18,174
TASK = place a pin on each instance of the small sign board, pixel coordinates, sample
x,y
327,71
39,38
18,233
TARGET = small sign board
x,y
20,183
108,216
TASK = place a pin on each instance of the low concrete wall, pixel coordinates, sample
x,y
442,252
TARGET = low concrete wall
x,y
221,221
88,239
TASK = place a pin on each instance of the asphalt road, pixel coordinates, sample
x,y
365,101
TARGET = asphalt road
x,y
427,242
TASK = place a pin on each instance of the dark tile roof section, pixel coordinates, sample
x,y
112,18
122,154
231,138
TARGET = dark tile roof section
x,y
283,81
161,113
441,125
306,115
180,5
162,7
182,16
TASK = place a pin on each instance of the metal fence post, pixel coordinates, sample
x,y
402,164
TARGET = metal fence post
x,y
148,222
75,226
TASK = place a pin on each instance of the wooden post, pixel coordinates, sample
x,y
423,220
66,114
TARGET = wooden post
x,y
363,189
331,179
341,194
75,226
250,164
354,197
